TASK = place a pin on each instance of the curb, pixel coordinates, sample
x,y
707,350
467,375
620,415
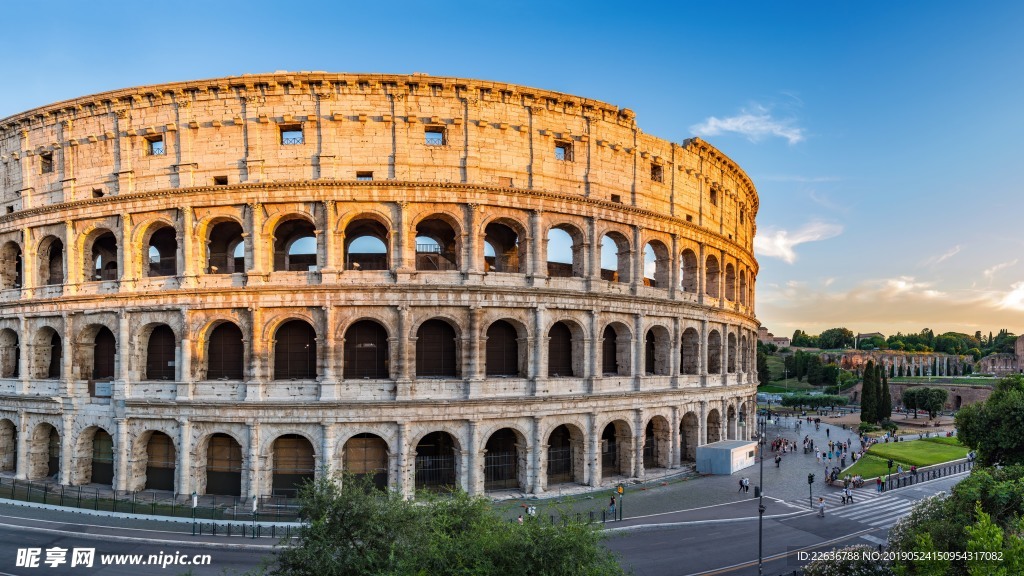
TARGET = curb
x,y
131,516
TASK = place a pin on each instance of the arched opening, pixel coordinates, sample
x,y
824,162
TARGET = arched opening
x,y
226,248
714,352
44,452
225,356
10,266
163,252
656,265
615,450
295,351
656,351
51,261
501,461
503,243
565,252
223,466
436,245
712,278
615,258
689,279
743,287
566,459
104,355
160,352
731,354
714,426
615,344
294,465
49,354
657,443
730,282
10,354
161,460
102,458
103,258
689,357
435,462
502,350
366,455
689,436
8,446
295,246
436,353
560,351
366,351
366,245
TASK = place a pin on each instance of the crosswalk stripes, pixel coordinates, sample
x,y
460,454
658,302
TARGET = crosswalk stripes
x,y
834,497
878,512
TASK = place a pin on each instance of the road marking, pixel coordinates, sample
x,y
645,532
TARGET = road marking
x,y
88,536
874,540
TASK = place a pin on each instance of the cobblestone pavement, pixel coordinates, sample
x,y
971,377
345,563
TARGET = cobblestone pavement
x,y
787,482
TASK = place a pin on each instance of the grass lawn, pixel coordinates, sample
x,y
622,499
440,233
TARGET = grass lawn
x,y
951,441
915,452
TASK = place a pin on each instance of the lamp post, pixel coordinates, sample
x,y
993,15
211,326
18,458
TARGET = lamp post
x,y
760,495
195,502
255,515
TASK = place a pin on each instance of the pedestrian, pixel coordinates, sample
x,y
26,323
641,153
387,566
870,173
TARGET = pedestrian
x,y
821,507
746,485
826,436
741,485
520,518
611,508
778,460
817,456
849,496
878,483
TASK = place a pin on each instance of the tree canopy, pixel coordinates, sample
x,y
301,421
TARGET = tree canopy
x,y
995,428
354,529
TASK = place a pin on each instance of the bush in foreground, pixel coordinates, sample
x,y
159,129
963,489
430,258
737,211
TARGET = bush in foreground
x,y
353,529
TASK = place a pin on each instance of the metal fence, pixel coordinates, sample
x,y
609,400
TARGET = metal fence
x,y
268,508
931,473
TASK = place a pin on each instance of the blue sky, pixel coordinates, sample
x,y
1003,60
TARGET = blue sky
x,y
883,137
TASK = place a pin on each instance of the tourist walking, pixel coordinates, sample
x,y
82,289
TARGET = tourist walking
x,y
821,507
611,508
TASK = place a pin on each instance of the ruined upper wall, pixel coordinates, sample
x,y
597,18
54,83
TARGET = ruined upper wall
x,y
494,134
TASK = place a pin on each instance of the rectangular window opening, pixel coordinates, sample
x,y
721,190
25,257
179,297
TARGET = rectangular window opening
x,y
46,162
364,175
714,197
657,173
155,146
689,218
616,198
97,193
563,151
742,218
220,180
10,209
291,135
434,136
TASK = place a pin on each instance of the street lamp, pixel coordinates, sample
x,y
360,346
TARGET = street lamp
x,y
759,492
195,502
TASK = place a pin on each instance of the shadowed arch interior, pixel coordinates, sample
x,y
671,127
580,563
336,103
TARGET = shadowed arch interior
x,y
502,349
435,350
163,252
366,351
294,464
160,352
560,353
366,455
226,249
435,462
225,356
295,351
223,466
161,459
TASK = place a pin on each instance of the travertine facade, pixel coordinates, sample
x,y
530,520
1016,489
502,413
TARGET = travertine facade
x,y
222,285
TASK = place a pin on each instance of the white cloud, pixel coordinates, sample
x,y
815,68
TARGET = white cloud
x,y
755,124
780,243
1014,299
935,260
991,272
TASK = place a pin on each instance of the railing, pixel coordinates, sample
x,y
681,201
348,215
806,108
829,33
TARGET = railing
x,y
931,473
212,507
293,141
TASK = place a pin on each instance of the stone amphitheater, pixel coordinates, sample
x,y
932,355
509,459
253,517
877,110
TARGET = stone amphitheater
x,y
229,286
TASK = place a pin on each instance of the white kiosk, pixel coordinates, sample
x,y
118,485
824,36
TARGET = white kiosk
x,y
726,456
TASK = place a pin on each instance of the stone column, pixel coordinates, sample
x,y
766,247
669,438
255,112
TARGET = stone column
x,y
639,438
183,468
538,244
540,348
24,433
329,381
639,350
675,351
702,437
637,255
327,464
125,349
331,241
72,271
702,272
24,345
188,248
470,476
254,469
702,361
29,265
536,476
186,382
593,350
594,267
402,253
121,454
258,244
258,357
67,449
67,355
594,450
674,430
406,355
403,479
471,252
725,354
477,351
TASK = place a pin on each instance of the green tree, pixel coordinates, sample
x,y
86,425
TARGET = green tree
x,y
836,338
815,376
911,398
933,400
868,401
350,528
987,536
763,373
995,428
884,399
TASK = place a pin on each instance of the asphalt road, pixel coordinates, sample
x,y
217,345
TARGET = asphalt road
x,y
731,547
226,557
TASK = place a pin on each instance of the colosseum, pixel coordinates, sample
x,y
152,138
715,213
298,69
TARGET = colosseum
x,y
229,286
